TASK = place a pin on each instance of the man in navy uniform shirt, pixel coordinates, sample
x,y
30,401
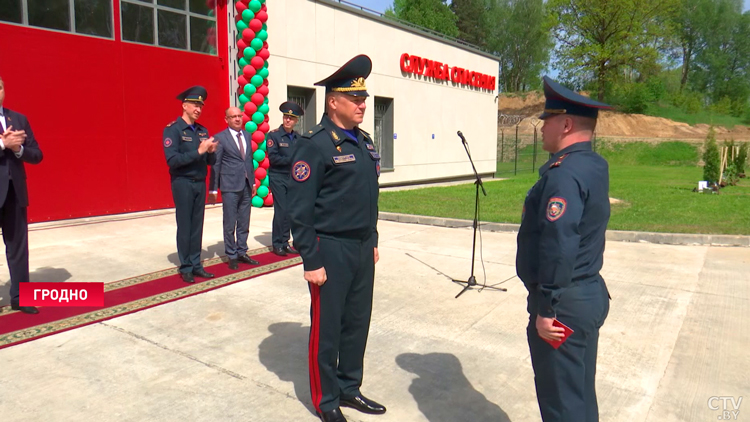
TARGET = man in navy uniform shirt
x,y
333,197
189,151
279,145
560,254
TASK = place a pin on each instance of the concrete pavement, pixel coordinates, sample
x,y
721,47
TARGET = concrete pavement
x,y
675,335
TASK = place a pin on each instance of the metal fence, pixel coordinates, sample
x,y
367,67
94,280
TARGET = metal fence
x,y
518,153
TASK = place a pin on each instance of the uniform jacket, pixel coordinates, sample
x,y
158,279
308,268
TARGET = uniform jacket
x,y
279,146
181,150
230,170
32,154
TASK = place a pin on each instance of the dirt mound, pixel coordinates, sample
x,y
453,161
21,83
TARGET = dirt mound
x,y
613,124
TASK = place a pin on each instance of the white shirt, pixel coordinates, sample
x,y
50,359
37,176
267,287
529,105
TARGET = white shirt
x,y
5,127
234,138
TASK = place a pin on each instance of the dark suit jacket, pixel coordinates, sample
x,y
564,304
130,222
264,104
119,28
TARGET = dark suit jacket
x,y
228,174
9,162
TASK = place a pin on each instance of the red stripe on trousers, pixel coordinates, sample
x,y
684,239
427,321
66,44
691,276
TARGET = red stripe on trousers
x,y
316,390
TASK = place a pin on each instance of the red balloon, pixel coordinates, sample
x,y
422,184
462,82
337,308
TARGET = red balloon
x,y
254,145
266,119
248,35
268,200
245,119
241,45
265,44
265,82
263,90
241,7
263,7
251,107
211,4
259,136
242,81
211,39
257,183
257,99
261,15
260,173
264,128
255,25
264,54
265,163
257,62
248,71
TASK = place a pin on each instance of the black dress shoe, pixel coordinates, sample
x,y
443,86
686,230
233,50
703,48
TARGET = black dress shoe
x,y
247,260
203,273
363,404
233,264
290,250
334,415
24,309
279,251
187,277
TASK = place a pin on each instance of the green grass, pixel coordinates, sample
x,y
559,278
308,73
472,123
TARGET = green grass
x,y
654,181
677,114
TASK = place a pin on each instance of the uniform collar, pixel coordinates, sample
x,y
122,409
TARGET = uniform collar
x,y
2,111
284,133
337,134
182,124
578,146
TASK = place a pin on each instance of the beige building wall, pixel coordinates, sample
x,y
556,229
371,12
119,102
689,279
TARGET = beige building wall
x,y
309,40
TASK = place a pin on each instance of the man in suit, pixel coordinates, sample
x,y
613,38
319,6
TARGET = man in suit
x,y
233,174
280,143
18,146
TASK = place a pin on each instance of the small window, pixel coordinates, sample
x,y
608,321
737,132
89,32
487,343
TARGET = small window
x,y
384,131
202,35
176,4
11,11
200,7
305,98
172,29
52,14
137,23
94,17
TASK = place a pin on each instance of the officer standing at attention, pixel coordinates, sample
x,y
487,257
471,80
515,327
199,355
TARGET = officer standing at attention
x,y
279,145
189,150
333,194
560,254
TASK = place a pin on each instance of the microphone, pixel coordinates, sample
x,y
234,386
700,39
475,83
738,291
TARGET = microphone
x,y
461,135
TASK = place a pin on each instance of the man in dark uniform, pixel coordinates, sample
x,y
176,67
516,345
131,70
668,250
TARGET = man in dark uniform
x,y
560,254
333,194
189,150
279,145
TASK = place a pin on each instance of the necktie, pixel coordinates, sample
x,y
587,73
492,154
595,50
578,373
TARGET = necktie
x,y
242,145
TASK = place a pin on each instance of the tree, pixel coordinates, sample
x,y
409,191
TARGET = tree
x,y
711,158
471,22
689,21
430,14
518,33
598,39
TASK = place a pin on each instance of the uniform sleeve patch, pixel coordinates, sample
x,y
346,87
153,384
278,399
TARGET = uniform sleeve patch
x,y
556,208
300,171
167,142
270,142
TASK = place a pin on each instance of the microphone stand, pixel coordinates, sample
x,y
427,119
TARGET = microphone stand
x,y
472,281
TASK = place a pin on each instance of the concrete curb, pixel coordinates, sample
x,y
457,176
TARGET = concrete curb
x,y
612,235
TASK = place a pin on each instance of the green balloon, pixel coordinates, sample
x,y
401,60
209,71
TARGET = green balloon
x,y
244,99
248,15
264,109
249,53
265,64
250,90
256,80
243,62
256,43
255,165
265,181
262,1
259,155
254,5
258,118
265,100
262,34
264,26
257,200
262,147
262,191
263,73
241,26
251,127
211,13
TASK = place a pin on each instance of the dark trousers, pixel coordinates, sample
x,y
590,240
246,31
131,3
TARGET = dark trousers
x,y
565,378
16,238
340,320
281,223
236,207
190,204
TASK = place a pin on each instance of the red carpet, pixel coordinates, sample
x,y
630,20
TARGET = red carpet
x,y
132,295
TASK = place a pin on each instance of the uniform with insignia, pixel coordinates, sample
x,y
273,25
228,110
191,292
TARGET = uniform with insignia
x,y
279,145
560,253
333,197
188,170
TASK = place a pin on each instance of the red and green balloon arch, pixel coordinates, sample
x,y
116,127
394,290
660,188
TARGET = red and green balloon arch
x,y
252,55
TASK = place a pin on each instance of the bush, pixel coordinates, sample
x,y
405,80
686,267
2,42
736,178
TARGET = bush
x,y
741,159
692,104
638,96
739,107
711,159
723,106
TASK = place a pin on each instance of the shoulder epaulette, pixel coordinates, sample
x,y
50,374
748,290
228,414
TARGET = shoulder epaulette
x,y
558,162
274,130
171,123
363,131
313,131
